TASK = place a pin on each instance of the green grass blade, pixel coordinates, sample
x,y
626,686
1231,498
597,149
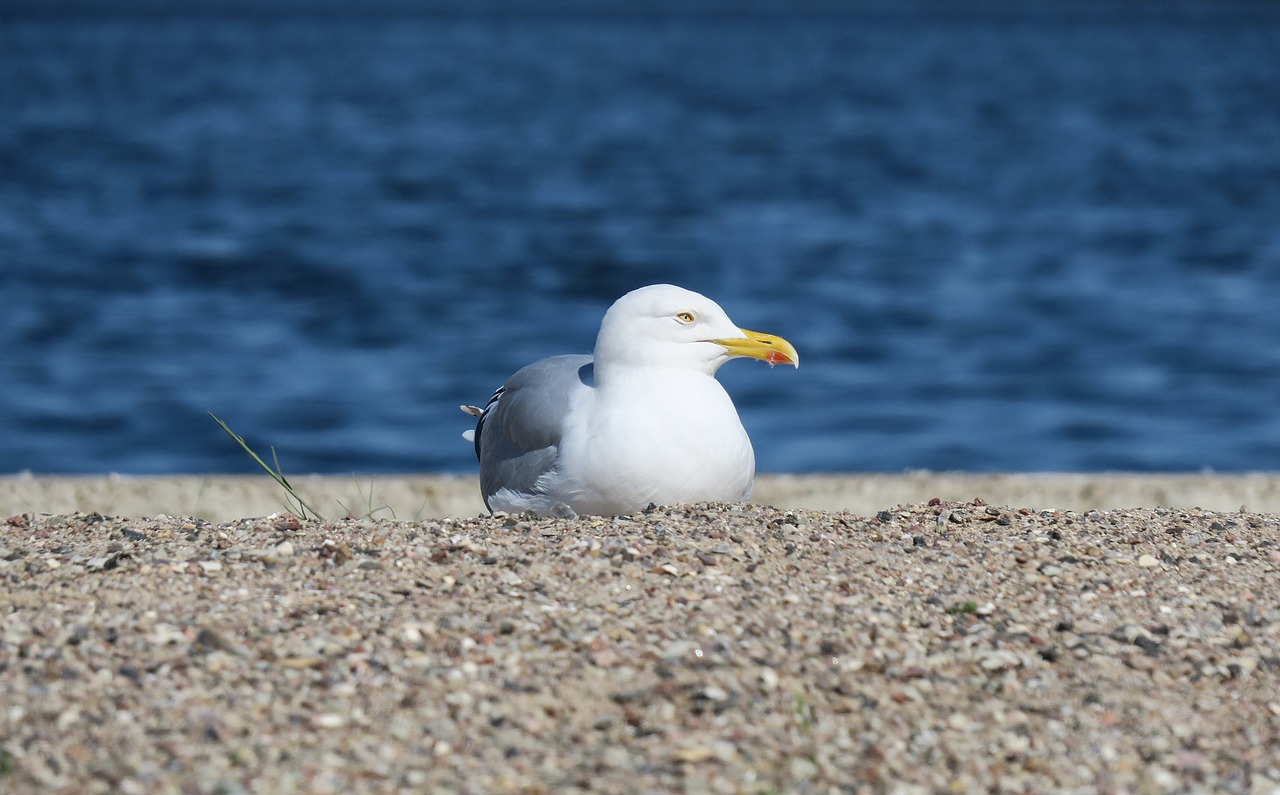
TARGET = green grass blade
x,y
277,474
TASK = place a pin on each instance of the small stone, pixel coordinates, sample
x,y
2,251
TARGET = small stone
x,y
209,639
1241,666
338,551
768,678
103,563
999,661
713,693
681,648
605,657
164,634
1147,561
803,769
723,750
691,754
328,720
272,555
617,756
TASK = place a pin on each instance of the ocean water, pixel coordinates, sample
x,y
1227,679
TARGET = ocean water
x,y
1002,236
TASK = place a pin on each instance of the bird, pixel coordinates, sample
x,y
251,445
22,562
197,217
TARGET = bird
x,y
642,421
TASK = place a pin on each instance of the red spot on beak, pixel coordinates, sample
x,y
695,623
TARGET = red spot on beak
x,y
777,357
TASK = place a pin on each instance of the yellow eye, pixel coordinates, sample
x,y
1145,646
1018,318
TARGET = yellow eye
x,y
685,317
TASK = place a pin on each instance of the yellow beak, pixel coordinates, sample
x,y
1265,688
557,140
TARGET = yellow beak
x,y
766,347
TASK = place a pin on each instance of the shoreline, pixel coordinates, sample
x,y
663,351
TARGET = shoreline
x,y
223,498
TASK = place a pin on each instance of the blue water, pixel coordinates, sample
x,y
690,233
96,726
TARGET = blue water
x,y
1003,236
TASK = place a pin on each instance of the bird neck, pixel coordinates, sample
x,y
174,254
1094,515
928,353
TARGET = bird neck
x,y
649,378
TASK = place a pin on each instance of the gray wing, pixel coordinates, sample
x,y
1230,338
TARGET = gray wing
x,y
518,436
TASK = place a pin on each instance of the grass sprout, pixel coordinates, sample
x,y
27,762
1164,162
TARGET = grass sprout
x,y
302,508
370,510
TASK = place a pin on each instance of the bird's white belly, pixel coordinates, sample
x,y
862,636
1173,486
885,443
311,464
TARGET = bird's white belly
x,y
665,447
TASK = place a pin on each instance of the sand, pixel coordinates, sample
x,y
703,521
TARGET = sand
x,y
922,645
221,498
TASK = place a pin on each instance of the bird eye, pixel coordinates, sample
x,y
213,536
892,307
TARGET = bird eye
x,y
685,317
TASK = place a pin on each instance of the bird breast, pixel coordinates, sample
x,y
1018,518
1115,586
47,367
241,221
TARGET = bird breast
x,y
669,439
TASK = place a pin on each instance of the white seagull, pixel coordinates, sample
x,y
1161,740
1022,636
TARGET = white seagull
x,y
642,421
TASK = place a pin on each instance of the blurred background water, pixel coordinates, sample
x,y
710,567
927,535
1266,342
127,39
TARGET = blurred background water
x,y
1040,236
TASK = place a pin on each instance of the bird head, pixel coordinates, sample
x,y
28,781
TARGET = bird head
x,y
667,326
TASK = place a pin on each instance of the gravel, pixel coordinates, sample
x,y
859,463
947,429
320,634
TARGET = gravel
x,y
712,648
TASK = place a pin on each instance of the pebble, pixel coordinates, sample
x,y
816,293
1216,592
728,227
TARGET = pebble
x,y
705,648
328,720
102,563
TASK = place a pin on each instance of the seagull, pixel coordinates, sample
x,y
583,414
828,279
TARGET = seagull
x,y
642,421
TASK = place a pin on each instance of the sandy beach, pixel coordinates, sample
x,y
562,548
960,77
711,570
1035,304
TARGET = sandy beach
x,y
222,498
1056,634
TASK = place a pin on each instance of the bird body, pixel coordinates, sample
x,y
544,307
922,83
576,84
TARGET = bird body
x,y
643,445
642,421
